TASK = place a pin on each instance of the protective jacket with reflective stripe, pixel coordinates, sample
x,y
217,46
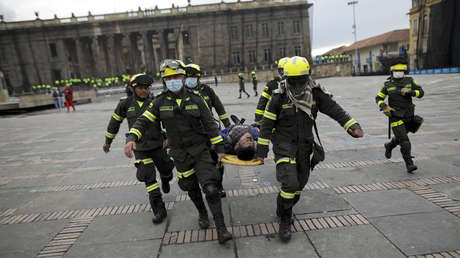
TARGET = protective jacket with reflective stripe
x,y
401,103
213,101
293,128
131,109
264,98
188,121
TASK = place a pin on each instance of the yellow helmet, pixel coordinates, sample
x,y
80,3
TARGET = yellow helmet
x,y
193,70
282,62
296,66
171,67
253,72
399,67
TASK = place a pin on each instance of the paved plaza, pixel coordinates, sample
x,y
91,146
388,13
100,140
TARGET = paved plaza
x,y
61,195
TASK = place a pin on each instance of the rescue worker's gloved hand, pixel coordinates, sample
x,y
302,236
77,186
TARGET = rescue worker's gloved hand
x,y
106,147
405,91
387,110
129,147
355,131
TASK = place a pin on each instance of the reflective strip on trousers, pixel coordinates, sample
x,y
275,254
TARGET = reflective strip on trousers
x,y
152,187
397,123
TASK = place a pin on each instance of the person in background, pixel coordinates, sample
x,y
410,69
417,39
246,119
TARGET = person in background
x,y
68,92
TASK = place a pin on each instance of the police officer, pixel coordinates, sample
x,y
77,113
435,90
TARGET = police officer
x,y
400,110
190,127
268,91
192,82
241,78
291,112
254,82
149,151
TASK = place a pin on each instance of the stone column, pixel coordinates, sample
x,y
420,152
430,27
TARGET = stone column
x,y
98,57
148,52
80,57
163,35
110,55
125,64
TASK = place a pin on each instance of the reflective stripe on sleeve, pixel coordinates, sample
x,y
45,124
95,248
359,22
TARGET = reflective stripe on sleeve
x,y
263,141
397,123
259,112
109,135
266,95
348,124
149,116
223,116
117,117
417,93
216,139
382,95
379,103
270,115
136,132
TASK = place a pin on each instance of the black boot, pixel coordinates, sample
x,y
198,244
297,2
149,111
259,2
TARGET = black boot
x,y
389,146
215,205
406,153
158,208
197,199
165,185
220,187
285,225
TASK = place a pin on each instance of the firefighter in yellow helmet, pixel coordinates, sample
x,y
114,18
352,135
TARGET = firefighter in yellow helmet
x,y
400,111
254,82
271,87
190,129
292,113
149,152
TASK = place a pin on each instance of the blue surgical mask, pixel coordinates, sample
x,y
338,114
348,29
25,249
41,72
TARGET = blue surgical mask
x,y
174,85
191,82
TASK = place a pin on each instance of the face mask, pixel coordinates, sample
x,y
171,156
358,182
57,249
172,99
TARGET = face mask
x,y
398,75
191,82
297,85
174,85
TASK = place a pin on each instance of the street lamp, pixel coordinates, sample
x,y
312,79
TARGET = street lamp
x,y
353,3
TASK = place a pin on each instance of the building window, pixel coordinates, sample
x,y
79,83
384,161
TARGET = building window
x,y
280,28
414,3
57,75
265,31
252,56
249,31
267,55
425,23
234,33
425,45
297,51
296,26
415,26
186,37
282,52
236,58
53,49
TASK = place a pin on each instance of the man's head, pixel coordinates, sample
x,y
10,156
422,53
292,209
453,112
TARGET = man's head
x,y
193,76
398,70
173,74
245,147
297,70
140,85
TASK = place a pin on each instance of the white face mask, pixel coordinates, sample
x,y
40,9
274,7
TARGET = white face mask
x,y
174,85
398,74
191,82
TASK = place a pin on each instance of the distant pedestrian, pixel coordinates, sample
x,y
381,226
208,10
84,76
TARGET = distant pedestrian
x,y
215,80
254,82
68,92
56,100
61,98
240,76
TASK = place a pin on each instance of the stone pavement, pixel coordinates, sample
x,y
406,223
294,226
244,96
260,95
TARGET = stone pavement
x,y
60,195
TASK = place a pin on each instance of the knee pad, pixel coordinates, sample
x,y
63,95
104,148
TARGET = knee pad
x,y
211,191
145,172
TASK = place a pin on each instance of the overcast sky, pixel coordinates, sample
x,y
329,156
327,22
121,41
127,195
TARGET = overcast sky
x,y
332,19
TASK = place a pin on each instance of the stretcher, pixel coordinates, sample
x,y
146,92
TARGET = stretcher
x,y
233,160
